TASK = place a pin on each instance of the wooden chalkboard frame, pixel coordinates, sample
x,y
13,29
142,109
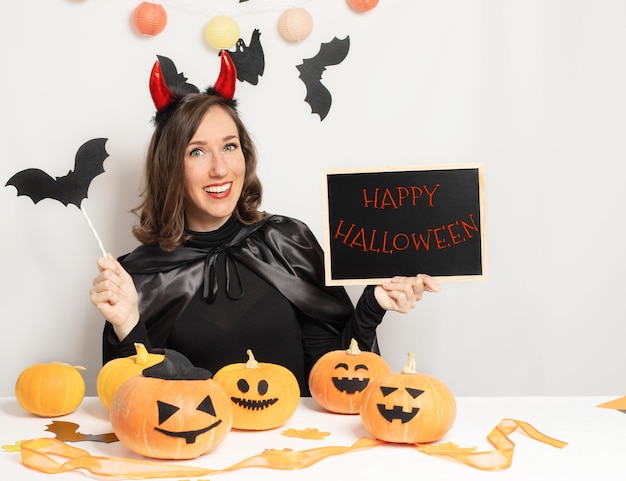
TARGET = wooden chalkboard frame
x,y
471,179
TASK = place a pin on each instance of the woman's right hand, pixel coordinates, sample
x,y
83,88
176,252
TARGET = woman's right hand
x,y
113,293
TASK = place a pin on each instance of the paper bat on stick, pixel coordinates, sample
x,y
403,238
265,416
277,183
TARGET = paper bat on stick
x,y
69,189
311,70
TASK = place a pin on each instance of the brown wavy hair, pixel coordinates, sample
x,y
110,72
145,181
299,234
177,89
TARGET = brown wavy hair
x,y
161,212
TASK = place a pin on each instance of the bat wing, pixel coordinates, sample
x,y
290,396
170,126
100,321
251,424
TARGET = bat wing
x,y
70,189
249,59
36,184
311,70
177,82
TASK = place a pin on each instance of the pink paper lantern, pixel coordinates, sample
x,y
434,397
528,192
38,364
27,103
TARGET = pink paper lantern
x,y
295,24
149,18
362,5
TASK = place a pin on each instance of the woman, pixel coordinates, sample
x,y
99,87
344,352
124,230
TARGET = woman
x,y
215,276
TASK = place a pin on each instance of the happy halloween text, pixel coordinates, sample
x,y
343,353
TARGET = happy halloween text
x,y
440,237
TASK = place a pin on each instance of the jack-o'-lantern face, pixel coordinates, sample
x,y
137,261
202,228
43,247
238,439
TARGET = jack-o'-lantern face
x,y
167,411
172,411
263,395
398,403
408,407
339,378
170,419
350,379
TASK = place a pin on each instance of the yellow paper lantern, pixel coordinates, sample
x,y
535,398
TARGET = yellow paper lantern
x,y
149,18
362,5
222,32
295,24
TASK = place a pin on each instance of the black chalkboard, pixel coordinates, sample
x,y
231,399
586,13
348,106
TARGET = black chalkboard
x,y
404,221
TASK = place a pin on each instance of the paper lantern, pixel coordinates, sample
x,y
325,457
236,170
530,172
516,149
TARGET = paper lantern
x,y
362,5
149,18
295,24
222,32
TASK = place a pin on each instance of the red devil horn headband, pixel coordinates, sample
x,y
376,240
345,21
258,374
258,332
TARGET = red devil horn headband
x,y
162,95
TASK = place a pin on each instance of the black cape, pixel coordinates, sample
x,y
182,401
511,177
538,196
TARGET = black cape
x,y
281,250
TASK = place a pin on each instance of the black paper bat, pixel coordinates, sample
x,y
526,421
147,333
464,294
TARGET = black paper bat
x,y
311,70
249,59
70,189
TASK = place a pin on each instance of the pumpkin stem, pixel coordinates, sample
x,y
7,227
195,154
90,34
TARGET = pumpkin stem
x,y
252,362
142,354
409,367
354,348
78,368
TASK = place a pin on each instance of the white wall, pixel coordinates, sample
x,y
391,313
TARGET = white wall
x,y
534,89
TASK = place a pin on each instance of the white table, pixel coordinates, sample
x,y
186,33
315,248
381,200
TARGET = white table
x,y
596,440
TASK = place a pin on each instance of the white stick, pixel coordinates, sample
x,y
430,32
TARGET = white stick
x,y
82,209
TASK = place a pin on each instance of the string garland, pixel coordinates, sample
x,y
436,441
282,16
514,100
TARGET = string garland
x,y
242,8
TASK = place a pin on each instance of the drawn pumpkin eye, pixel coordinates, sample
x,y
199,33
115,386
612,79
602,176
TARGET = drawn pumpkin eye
x,y
387,390
263,387
243,385
166,411
342,365
414,392
361,366
207,406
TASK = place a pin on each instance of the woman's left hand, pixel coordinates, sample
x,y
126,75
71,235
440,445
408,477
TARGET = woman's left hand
x,y
401,294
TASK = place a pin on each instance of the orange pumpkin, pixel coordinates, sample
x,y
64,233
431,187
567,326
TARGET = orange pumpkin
x,y
49,390
408,407
338,378
263,395
117,371
173,411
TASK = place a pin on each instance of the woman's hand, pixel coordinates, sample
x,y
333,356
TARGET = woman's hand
x,y
401,294
113,293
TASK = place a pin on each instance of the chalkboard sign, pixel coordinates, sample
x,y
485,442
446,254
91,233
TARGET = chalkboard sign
x,y
404,221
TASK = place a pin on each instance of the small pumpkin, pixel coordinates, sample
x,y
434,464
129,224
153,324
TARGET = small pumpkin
x,y
51,389
263,395
174,410
408,406
117,371
338,378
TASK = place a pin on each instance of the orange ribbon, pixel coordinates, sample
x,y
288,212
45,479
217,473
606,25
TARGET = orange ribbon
x,y
501,457
41,454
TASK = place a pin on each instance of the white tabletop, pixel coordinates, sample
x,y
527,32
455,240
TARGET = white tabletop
x,y
596,448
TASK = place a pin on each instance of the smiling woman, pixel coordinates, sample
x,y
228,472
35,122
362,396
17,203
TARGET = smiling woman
x,y
215,276
215,168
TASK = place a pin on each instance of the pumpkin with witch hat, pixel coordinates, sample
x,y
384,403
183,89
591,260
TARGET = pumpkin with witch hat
x,y
173,410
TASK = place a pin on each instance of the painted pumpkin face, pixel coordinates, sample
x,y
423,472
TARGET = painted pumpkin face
x,y
263,395
408,407
170,418
338,378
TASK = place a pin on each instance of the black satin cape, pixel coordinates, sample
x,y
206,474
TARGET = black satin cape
x,y
281,250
